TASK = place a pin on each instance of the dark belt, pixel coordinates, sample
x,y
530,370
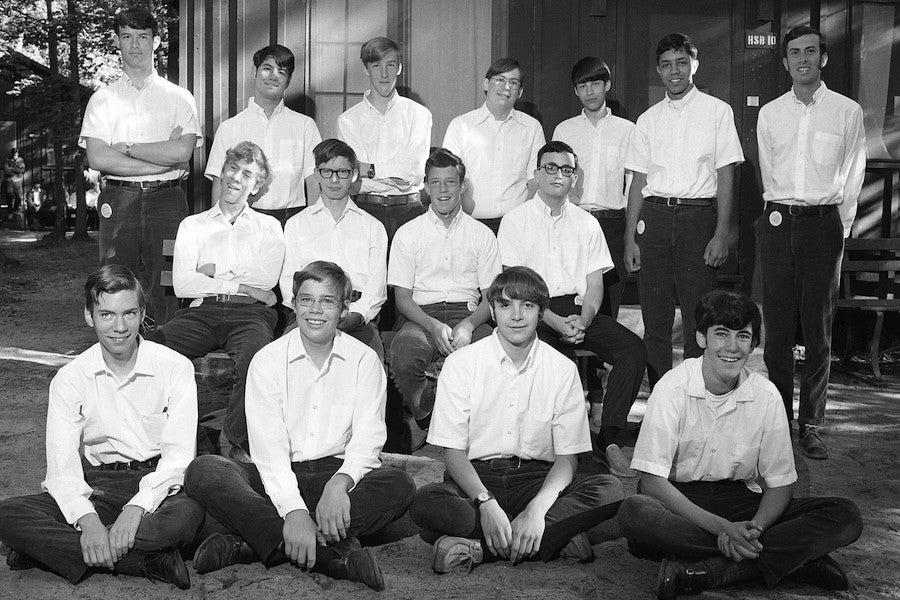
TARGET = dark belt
x,y
132,465
513,462
604,213
380,200
799,210
680,201
233,298
144,185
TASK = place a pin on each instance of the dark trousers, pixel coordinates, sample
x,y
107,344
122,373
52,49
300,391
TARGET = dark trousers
x,y
392,217
241,329
444,508
808,528
133,233
35,526
492,224
413,349
282,214
234,495
614,344
672,269
800,263
614,279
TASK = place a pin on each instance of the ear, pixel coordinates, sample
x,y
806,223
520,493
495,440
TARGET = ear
x,y
399,69
493,317
658,71
608,85
785,63
695,64
345,310
88,318
701,340
115,40
463,187
355,176
485,84
156,42
824,60
521,89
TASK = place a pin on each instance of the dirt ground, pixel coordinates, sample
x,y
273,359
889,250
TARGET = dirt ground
x,y
42,326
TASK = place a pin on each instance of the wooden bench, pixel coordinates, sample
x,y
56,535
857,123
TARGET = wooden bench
x,y
869,283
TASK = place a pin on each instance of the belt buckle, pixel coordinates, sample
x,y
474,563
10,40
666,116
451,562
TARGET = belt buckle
x,y
144,185
791,208
671,202
223,297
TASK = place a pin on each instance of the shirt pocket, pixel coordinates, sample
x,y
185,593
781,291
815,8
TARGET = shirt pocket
x,y
154,425
744,461
826,148
465,269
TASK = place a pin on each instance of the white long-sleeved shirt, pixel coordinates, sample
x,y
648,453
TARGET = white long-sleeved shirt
x,y
813,155
250,251
150,412
297,412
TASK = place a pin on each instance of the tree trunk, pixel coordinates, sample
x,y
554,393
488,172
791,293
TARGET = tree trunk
x,y
59,189
81,223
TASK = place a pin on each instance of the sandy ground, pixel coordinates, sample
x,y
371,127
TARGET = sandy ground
x,y
41,325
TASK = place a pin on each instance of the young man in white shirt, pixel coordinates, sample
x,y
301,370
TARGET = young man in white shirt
x,y
440,263
683,152
499,143
315,412
121,429
335,229
712,430
566,247
286,136
812,157
227,260
510,416
391,136
140,133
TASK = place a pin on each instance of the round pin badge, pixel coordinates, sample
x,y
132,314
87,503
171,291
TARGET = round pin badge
x,y
641,226
775,218
106,210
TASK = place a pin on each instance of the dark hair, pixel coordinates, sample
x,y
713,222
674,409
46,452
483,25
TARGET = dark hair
x,y
556,146
505,65
13,152
375,50
441,158
110,279
327,273
519,283
589,68
676,41
248,152
729,308
332,148
135,18
282,56
799,31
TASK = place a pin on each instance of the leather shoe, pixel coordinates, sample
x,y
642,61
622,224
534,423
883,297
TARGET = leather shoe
x,y
451,552
19,561
811,444
221,550
416,432
168,567
579,548
824,572
358,565
671,580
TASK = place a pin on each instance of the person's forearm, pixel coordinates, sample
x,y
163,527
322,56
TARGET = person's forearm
x,y
663,490
111,162
724,200
553,320
772,506
558,478
410,310
635,204
593,297
462,472
480,316
169,153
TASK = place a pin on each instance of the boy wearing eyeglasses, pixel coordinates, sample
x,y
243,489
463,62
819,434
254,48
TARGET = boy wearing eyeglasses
x,y
227,260
498,143
566,247
315,413
336,229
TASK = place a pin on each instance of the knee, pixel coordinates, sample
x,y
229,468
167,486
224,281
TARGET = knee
x,y
633,512
604,489
205,474
426,503
403,487
11,511
849,519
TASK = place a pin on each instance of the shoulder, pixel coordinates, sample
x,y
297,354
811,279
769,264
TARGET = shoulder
x,y
79,365
764,390
466,118
476,228
568,126
554,362
842,102
526,120
412,106
173,89
266,221
620,123
358,353
164,359
409,229
352,112
194,220
275,352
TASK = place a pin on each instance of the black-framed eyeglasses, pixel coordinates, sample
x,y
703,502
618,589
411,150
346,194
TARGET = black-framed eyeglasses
x,y
341,173
552,168
502,81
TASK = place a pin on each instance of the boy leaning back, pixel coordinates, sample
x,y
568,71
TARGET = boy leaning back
x,y
712,429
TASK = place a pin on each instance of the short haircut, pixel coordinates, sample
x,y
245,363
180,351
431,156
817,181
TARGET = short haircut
x,y
327,273
519,283
376,49
282,56
505,65
589,68
248,152
441,158
729,308
332,148
135,17
556,146
13,152
110,279
676,42
799,31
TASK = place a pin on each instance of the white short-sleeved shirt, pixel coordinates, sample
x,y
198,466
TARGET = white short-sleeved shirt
x,y
287,138
601,150
680,144
444,264
687,435
491,409
499,157
122,113
812,155
94,415
562,249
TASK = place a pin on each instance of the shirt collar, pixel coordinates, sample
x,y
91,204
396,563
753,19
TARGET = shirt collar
x,y
371,106
542,207
684,100
817,95
432,218
151,78
605,116
501,356
296,349
319,206
697,388
142,365
251,104
485,115
216,211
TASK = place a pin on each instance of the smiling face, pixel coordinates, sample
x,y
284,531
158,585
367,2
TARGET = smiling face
x,y
136,46
592,94
270,80
445,190
517,321
557,185
676,69
335,188
725,352
116,319
383,73
503,91
804,60
239,180
317,323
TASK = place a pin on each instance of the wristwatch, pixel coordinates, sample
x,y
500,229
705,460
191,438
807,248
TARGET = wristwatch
x,y
482,498
371,172
128,146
